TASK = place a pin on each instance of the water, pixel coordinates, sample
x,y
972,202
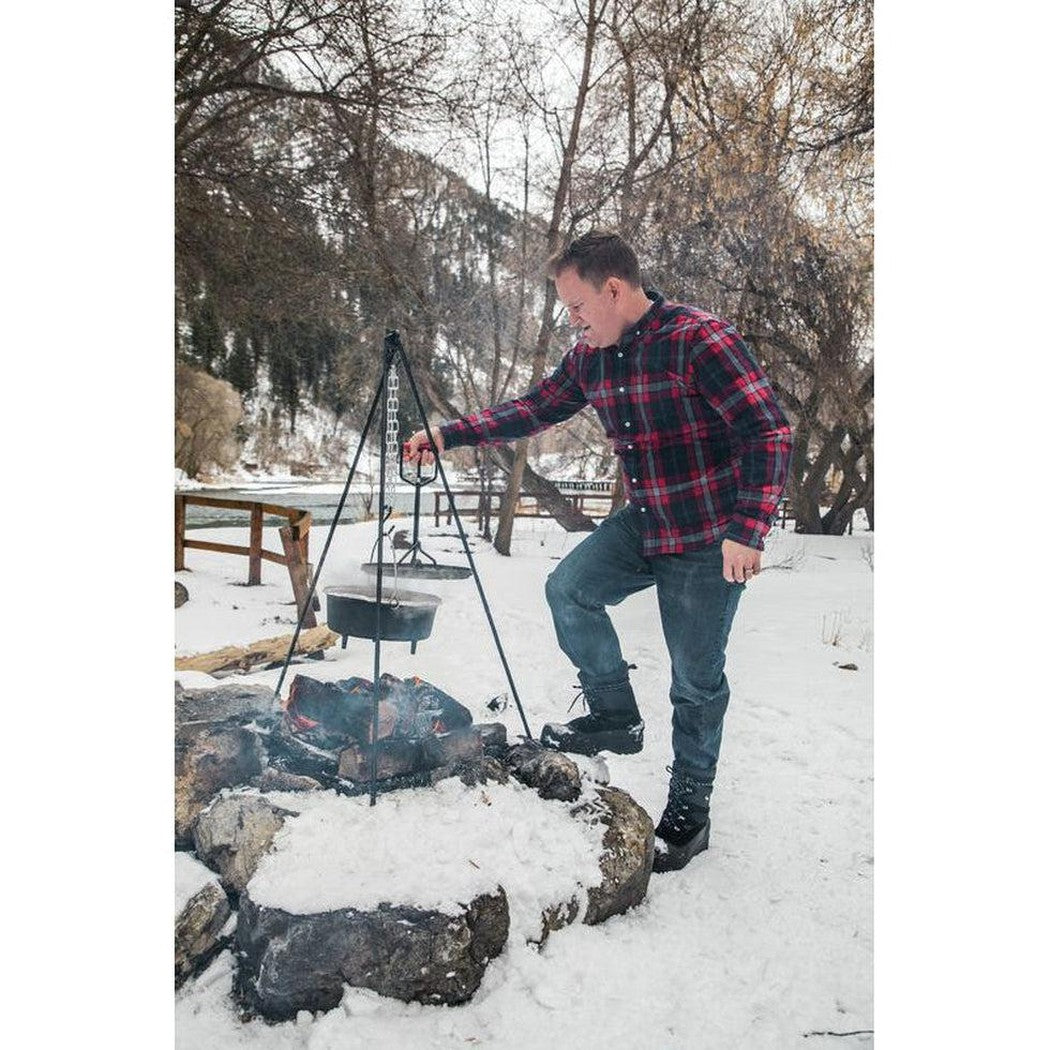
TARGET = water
x,y
320,498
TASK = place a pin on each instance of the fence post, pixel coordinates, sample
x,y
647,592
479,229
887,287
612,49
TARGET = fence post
x,y
303,530
255,547
299,573
180,532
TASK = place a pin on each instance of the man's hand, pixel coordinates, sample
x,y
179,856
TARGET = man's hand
x,y
418,447
739,562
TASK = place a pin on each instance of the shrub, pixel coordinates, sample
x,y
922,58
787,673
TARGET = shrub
x,y
207,412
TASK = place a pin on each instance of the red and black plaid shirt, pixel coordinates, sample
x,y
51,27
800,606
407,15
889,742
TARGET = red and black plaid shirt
x,y
692,416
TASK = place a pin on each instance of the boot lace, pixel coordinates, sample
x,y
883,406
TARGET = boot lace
x,y
580,698
684,811
582,691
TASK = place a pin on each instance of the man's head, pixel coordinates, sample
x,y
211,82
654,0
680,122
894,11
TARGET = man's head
x,y
598,280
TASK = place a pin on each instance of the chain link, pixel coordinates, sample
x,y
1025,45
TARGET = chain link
x,y
393,405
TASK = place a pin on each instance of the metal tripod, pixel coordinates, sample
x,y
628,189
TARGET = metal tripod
x,y
393,352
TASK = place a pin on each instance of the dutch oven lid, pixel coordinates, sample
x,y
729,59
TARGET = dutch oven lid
x,y
402,597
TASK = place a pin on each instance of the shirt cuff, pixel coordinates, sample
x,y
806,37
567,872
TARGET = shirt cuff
x,y
751,532
452,435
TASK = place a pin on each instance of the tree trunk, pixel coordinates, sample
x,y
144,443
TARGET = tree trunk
x,y
518,469
510,498
619,497
807,495
485,499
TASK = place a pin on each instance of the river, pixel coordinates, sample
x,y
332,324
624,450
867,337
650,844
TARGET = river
x,y
320,498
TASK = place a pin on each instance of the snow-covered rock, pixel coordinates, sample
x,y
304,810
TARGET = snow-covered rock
x,y
201,914
234,832
208,758
290,962
240,702
627,853
551,773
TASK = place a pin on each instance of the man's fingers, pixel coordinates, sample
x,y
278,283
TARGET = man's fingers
x,y
739,563
417,447
736,570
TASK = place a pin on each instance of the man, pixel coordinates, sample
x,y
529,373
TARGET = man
x,y
705,449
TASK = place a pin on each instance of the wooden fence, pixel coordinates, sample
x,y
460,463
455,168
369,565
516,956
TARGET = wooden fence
x,y
295,539
471,501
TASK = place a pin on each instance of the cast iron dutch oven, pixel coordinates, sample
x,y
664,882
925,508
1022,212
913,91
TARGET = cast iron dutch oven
x,y
407,616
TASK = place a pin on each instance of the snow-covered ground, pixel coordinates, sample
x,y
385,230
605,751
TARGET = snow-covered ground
x,y
759,941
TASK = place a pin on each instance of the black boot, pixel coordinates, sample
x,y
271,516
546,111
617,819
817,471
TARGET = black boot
x,y
613,723
685,827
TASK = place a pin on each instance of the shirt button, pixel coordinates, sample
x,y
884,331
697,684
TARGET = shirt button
x,y
623,389
629,447
627,423
634,481
642,509
620,354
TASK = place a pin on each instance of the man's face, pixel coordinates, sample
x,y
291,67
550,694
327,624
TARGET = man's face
x,y
591,309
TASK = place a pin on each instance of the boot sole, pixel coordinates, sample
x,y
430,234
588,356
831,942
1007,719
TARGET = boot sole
x,y
591,743
674,858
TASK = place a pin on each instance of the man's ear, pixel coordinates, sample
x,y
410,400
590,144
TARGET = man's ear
x,y
615,286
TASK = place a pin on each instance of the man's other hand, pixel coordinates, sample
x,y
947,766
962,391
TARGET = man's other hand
x,y
417,447
739,562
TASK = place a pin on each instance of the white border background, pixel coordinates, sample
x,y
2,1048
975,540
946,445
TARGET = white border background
x,y
960,578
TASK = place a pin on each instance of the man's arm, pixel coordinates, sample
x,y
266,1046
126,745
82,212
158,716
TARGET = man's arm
x,y
551,401
726,373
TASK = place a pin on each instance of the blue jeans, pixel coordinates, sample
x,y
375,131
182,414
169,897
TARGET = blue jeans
x,y
697,606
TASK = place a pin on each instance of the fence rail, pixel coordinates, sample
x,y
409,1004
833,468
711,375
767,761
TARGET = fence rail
x,y
295,539
593,504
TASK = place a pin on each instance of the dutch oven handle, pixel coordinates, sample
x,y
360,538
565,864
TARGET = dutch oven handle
x,y
419,480
388,509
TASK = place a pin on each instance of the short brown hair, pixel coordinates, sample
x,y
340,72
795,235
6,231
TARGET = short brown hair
x,y
597,256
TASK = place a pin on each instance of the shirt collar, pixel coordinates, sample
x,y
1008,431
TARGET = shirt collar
x,y
635,330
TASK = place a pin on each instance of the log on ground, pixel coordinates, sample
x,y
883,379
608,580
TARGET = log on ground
x,y
265,652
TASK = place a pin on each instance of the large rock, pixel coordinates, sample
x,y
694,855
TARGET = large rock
x,y
627,853
227,703
292,962
481,772
626,862
273,779
201,913
209,758
234,832
553,775
493,738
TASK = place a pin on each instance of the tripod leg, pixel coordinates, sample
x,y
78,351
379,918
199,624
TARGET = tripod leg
x,y
328,542
463,538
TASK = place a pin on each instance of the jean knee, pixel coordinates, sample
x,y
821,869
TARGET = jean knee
x,y
556,590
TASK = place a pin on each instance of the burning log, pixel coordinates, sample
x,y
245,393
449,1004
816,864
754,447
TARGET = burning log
x,y
331,713
395,757
421,728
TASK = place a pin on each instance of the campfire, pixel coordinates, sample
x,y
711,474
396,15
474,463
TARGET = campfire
x,y
328,732
250,804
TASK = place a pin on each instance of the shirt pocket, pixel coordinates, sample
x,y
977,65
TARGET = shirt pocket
x,y
678,405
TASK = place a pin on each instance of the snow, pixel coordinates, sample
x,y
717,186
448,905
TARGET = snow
x,y
760,940
438,847
191,876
